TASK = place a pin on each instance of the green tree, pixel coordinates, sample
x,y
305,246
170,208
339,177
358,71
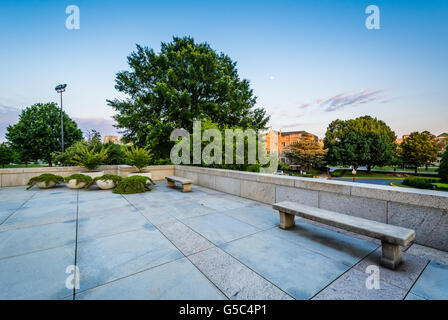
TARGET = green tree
x,y
364,141
307,153
443,169
419,149
185,81
38,132
6,154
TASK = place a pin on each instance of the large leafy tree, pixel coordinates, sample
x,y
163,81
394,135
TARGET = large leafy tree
x,y
364,141
419,149
306,152
38,132
443,169
6,154
185,81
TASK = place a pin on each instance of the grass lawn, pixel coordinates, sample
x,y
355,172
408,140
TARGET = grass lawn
x,y
390,168
440,186
31,165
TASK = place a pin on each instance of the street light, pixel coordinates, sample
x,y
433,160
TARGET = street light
x,y
59,89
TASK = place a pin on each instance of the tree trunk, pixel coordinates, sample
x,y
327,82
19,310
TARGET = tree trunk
x,y
369,168
416,169
50,164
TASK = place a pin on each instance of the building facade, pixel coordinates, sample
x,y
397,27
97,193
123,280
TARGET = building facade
x,y
284,140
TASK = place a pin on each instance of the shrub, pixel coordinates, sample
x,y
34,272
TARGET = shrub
x,y
47,178
115,154
253,167
420,183
138,157
443,169
134,184
6,154
337,173
79,178
114,178
89,158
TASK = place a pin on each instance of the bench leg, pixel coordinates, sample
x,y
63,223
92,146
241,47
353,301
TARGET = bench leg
x,y
286,220
170,183
186,188
391,257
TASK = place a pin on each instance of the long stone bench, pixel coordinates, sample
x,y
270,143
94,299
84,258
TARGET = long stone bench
x,y
393,238
186,183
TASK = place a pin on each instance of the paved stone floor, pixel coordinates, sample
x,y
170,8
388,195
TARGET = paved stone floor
x,y
165,244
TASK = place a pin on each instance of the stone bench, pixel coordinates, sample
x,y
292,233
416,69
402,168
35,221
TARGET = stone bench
x,y
393,238
186,183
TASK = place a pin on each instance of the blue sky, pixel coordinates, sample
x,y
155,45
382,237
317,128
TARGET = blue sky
x,y
309,62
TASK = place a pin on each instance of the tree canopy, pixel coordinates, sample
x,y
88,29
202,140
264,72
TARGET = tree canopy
x,y
6,154
364,141
38,132
419,149
443,168
184,82
307,153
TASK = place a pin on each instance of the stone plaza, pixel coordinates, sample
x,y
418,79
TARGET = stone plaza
x,y
205,244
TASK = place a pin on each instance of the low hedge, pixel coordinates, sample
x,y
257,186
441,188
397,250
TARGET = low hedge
x,y
114,178
421,183
79,178
47,178
134,184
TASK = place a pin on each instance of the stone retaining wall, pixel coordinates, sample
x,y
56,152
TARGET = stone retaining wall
x,y
422,210
20,177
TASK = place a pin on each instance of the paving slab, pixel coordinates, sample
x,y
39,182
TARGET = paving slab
x,y
38,275
21,241
106,225
187,209
331,244
221,203
110,258
219,228
85,207
352,286
299,272
257,216
16,193
236,280
41,215
433,283
412,296
428,253
177,280
184,238
157,215
403,277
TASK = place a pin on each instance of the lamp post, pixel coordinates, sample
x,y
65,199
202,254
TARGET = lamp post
x,y
59,89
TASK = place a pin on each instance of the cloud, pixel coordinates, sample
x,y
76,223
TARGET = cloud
x,y
343,100
294,125
8,116
105,126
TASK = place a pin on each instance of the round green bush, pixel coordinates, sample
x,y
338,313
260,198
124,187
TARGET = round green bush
x,y
79,178
47,178
134,184
114,178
